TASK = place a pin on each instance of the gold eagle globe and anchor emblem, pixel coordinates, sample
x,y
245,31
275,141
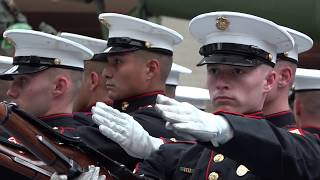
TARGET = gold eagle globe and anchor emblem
x,y
222,23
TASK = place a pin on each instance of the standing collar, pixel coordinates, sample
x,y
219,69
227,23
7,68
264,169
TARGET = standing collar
x,y
134,103
312,129
56,116
255,115
281,119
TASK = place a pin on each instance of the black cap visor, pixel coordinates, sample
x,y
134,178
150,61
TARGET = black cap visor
x,y
121,49
234,54
229,59
20,70
126,44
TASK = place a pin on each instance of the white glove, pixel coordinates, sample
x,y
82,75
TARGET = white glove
x,y
187,119
91,174
124,130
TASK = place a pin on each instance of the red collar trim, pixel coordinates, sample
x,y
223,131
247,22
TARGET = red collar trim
x,y
255,115
142,95
278,114
55,115
87,113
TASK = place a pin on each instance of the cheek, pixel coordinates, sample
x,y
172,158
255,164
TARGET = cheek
x,y
210,83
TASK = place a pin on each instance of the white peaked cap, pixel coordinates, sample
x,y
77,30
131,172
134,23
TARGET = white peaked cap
x,y
302,43
239,28
174,75
307,79
36,51
198,97
95,45
5,63
153,36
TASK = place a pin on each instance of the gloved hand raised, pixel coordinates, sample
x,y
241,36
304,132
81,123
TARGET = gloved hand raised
x,y
187,119
124,130
91,174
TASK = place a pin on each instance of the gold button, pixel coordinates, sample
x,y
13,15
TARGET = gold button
x,y
242,170
104,22
147,44
56,61
270,57
218,158
213,176
124,106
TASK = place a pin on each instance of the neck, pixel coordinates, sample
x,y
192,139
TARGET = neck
x,y
60,106
277,104
308,121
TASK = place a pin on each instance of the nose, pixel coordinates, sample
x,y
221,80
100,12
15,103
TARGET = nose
x,y
221,84
13,92
219,81
107,72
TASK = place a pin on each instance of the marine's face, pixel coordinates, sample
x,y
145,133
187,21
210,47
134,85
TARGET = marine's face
x,y
124,74
4,86
236,88
31,92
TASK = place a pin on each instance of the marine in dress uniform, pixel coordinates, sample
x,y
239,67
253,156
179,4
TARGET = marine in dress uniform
x,y
93,87
252,148
307,89
242,147
5,63
36,52
127,35
284,117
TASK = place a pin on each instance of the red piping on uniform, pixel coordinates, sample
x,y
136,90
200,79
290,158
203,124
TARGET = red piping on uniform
x,y
136,169
85,113
209,165
55,115
278,114
255,115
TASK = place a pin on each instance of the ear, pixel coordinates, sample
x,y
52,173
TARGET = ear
x,y
61,85
285,76
93,81
270,80
152,68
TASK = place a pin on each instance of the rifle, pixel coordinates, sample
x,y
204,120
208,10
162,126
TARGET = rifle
x,y
55,150
19,160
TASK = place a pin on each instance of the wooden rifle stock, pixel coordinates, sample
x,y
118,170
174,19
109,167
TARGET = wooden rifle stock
x,y
42,141
23,163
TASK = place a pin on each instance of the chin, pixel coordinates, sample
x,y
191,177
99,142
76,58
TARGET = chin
x,y
226,108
